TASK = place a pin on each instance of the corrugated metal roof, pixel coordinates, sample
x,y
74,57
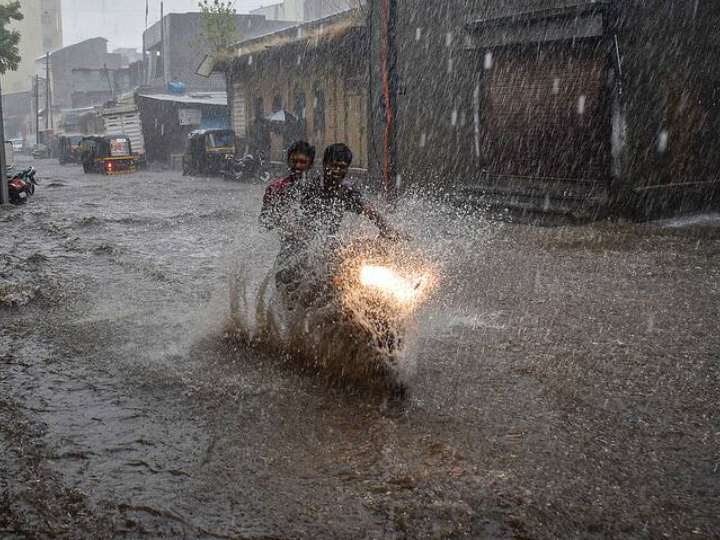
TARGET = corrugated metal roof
x,y
199,98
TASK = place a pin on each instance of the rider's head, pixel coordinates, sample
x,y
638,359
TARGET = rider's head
x,y
336,162
300,157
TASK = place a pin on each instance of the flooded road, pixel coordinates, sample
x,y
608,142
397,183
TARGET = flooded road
x,y
565,380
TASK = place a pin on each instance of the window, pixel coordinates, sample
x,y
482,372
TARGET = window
x,y
119,147
220,139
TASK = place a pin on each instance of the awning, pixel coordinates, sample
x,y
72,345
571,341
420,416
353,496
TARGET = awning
x,y
539,26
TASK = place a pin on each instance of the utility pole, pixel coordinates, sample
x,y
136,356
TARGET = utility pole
x,y
47,90
388,60
162,42
4,189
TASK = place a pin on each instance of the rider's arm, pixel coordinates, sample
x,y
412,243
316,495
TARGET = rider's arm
x,y
273,202
377,218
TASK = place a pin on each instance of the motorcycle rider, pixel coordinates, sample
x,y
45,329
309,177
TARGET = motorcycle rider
x,y
300,159
320,202
308,212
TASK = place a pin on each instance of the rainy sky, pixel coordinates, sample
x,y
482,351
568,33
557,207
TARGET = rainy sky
x,y
122,22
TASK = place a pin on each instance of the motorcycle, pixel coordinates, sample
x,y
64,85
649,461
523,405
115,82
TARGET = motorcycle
x,y
248,167
347,316
22,185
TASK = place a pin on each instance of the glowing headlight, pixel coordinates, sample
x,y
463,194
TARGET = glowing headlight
x,y
389,283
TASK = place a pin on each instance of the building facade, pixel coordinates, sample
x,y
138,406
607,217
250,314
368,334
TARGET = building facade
x,y
177,57
571,105
40,31
83,74
314,76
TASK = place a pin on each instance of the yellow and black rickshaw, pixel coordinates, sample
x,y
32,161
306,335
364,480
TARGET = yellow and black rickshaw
x,y
69,150
207,151
107,154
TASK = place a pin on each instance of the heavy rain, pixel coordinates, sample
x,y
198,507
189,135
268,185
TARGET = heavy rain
x,y
359,269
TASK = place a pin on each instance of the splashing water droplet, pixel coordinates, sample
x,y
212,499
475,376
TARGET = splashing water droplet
x,y
581,104
663,140
488,63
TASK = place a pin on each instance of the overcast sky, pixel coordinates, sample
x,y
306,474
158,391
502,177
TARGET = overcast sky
x,y
123,21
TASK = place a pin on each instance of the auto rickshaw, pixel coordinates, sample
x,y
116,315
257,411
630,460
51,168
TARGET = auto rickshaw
x,y
69,148
207,151
107,154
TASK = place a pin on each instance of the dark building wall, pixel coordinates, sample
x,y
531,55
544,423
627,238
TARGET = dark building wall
x,y
526,98
670,52
163,134
475,104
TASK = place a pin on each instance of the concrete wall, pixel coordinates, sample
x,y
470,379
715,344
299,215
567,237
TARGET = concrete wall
x,y
69,67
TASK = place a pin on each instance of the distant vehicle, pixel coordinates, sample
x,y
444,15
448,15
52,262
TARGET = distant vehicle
x,y
123,117
69,150
40,151
207,151
108,154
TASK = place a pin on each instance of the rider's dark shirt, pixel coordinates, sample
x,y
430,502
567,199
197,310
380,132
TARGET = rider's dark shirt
x,y
301,209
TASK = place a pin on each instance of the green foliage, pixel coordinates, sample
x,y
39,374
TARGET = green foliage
x,y
9,39
218,26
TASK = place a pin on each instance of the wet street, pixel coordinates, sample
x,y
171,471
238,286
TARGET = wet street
x,y
564,381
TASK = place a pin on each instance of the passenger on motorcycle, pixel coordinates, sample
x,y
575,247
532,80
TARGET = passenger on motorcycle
x,y
300,158
308,213
300,207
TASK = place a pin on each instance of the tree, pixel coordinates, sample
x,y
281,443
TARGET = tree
x,y
217,25
9,39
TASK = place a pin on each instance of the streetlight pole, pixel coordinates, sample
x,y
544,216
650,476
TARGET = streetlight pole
x,y
4,189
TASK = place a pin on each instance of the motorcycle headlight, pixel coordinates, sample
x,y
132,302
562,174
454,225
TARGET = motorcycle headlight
x,y
392,284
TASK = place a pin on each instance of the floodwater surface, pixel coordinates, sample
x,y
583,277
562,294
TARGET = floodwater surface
x,y
563,381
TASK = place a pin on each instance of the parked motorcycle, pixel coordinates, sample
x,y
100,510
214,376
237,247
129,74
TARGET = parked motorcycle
x,y
22,185
247,168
